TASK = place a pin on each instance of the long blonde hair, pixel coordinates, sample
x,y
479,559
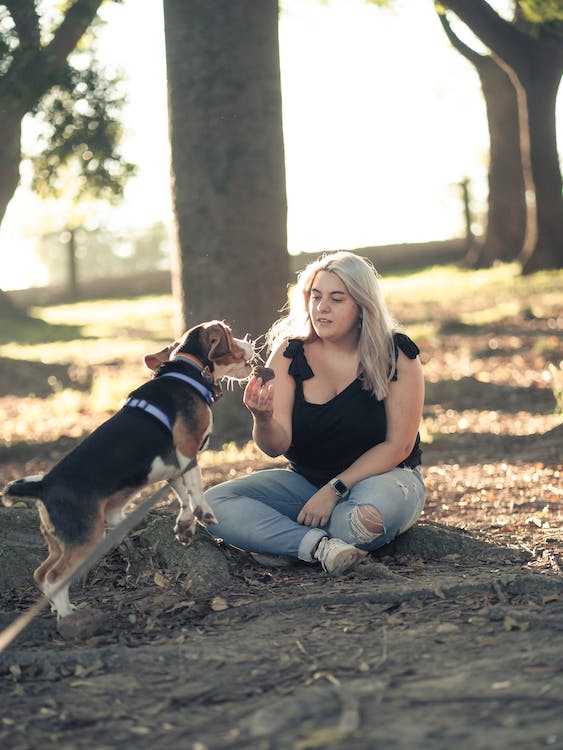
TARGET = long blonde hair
x,y
375,347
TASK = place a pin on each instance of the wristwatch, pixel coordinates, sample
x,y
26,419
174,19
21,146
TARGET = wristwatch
x,y
340,488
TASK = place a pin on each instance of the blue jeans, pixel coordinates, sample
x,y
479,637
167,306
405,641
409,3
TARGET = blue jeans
x,y
258,512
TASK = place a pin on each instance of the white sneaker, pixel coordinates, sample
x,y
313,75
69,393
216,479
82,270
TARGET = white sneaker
x,y
336,556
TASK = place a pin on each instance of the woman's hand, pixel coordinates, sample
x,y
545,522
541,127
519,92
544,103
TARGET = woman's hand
x,y
259,399
318,509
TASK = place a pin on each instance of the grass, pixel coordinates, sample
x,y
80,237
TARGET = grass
x,y
449,296
451,284
471,297
107,338
149,317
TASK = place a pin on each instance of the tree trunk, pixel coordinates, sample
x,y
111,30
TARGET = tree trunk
x,y
10,154
506,223
535,65
545,249
72,275
506,220
228,171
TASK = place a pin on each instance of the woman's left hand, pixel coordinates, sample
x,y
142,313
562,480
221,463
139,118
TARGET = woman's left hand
x,y
318,509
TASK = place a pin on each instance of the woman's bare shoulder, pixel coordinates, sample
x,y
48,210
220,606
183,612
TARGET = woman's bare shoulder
x,y
277,359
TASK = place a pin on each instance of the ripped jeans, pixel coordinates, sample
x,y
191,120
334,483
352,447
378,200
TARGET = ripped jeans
x,y
258,512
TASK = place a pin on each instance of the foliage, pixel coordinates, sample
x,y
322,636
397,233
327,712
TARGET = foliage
x,y
49,71
81,130
542,11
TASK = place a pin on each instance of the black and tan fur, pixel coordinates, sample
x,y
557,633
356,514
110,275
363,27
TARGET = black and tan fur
x,y
87,491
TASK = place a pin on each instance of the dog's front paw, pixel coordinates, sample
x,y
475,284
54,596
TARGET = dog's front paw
x,y
184,530
204,514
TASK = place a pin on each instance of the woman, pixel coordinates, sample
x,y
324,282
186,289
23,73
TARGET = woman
x,y
344,408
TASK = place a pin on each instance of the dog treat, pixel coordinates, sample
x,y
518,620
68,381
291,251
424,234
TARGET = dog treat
x,y
265,373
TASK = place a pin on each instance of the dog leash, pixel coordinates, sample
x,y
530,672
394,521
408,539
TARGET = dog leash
x,y
105,545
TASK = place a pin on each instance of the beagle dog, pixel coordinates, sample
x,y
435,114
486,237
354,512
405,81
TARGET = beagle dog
x,y
156,436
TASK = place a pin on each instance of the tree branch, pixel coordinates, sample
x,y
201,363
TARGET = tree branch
x,y
26,21
469,54
77,19
501,36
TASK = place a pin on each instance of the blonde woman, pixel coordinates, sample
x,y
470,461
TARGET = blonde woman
x,y
344,408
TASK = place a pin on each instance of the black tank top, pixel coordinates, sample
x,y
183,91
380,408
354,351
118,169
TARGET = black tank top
x,y
327,438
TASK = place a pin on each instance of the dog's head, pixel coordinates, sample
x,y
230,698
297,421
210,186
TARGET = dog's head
x,y
214,345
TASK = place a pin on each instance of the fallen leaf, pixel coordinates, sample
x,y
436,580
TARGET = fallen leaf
x,y
160,580
510,623
438,591
218,604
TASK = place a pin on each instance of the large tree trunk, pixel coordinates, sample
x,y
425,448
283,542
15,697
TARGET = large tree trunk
x,y
228,170
535,64
506,224
506,220
540,82
227,161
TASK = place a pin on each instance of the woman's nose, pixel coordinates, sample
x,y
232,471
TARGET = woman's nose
x,y
322,303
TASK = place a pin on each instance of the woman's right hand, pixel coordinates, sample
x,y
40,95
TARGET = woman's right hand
x,y
271,405
259,399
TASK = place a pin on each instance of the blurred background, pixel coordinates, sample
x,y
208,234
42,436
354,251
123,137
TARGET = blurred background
x,y
384,127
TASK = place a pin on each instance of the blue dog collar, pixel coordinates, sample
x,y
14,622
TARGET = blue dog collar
x,y
209,395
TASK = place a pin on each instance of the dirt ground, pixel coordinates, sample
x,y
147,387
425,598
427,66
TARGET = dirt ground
x,y
451,637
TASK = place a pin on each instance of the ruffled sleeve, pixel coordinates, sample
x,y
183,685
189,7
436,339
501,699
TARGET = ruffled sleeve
x,y
406,345
299,367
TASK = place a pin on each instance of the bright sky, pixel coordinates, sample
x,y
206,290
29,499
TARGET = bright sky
x,y
382,120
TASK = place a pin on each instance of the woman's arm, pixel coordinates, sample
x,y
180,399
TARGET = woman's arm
x,y
272,405
403,409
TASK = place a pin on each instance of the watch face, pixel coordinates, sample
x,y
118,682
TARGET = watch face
x,y
340,487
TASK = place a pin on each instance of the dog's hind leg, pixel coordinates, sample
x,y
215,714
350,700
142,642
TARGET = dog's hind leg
x,y
56,550
71,622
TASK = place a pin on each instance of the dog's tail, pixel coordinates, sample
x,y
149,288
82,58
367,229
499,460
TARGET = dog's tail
x,y
26,490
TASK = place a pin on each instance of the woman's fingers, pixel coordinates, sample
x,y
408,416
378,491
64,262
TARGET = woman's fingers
x,y
258,397
308,519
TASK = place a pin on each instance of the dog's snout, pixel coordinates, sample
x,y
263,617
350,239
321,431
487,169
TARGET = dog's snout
x,y
247,346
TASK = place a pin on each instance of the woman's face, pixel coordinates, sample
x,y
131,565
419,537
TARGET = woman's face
x,y
333,311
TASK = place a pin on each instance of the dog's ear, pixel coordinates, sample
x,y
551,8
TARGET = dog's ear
x,y
153,361
219,339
